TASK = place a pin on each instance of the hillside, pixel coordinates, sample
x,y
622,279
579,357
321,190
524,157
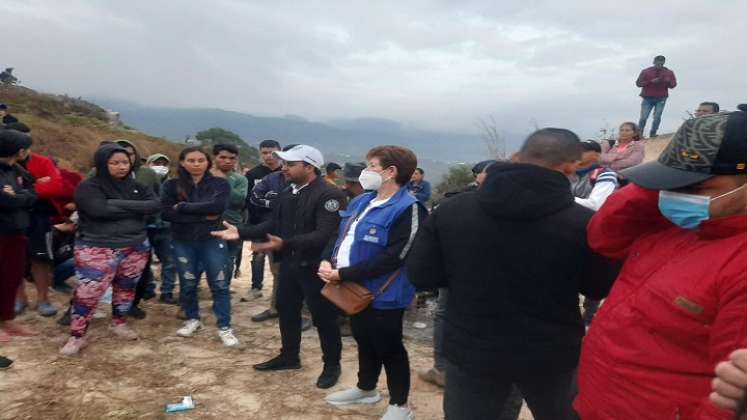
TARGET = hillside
x,y
71,129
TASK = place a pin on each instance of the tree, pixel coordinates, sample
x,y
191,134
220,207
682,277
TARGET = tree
x,y
216,135
7,78
492,137
457,179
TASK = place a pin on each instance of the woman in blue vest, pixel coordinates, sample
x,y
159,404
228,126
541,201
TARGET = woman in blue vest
x,y
376,232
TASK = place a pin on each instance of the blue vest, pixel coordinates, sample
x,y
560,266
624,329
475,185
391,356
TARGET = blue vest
x,y
371,238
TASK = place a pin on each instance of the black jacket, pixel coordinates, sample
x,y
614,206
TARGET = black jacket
x,y
201,213
14,209
257,213
113,212
514,258
306,221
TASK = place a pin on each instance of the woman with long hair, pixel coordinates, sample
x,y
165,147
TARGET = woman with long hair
x,y
376,233
194,203
628,151
111,246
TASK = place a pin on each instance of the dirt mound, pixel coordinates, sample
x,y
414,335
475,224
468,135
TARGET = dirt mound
x,y
655,146
70,129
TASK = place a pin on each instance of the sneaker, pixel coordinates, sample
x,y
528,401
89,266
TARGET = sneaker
x,y
189,328
65,319
256,293
226,335
136,312
264,316
73,346
5,362
398,412
168,299
20,307
123,331
46,309
354,396
329,377
433,376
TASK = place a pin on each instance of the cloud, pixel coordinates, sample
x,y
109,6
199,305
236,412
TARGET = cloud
x,y
435,64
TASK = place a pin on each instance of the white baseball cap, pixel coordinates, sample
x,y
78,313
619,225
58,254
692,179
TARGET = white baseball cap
x,y
302,153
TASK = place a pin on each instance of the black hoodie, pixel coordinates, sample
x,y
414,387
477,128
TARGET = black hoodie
x,y
514,258
113,212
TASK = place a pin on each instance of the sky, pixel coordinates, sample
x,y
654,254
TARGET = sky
x,y
439,65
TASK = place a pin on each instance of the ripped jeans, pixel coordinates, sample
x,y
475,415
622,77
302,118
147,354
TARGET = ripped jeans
x,y
210,255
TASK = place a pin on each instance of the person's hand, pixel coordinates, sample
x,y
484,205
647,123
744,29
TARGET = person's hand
x,y
65,227
231,233
730,382
7,189
274,243
328,274
44,179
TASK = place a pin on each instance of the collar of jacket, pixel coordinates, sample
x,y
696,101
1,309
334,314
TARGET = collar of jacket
x,y
723,227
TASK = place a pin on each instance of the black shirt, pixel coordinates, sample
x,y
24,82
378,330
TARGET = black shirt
x,y
254,176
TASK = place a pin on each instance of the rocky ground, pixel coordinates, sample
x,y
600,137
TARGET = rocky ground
x,y
112,379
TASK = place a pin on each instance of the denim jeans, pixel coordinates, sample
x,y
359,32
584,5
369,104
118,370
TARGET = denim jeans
x,y
161,242
234,248
258,270
469,396
210,255
64,271
657,104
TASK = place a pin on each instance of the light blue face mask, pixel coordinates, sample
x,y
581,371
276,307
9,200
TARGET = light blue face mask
x,y
688,211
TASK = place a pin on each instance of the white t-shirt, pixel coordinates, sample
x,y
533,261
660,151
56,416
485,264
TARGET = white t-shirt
x,y
343,254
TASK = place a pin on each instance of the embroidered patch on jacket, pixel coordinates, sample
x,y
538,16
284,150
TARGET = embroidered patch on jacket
x,y
369,238
688,305
332,205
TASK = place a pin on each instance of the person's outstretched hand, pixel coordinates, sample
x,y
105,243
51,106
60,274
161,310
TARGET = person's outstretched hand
x,y
274,243
731,381
231,233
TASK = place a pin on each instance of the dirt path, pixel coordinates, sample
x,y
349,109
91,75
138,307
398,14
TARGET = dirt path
x,y
112,379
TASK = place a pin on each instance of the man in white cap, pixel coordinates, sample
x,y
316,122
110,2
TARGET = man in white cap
x,y
304,220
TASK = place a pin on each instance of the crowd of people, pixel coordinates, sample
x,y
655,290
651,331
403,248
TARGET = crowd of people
x,y
573,277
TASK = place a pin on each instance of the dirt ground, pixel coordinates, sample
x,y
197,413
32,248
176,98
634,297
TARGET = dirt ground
x,y
112,379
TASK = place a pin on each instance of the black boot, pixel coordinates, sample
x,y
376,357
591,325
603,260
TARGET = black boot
x,y
168,299
329,376
136,313
279,363
5,362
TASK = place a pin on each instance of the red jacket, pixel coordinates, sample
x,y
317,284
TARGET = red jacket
x,y
660,88
678,308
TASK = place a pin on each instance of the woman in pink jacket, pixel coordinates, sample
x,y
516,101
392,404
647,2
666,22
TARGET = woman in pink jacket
x,y
628,151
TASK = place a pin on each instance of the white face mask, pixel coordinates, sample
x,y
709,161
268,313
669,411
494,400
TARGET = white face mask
x,y
160,170
370,180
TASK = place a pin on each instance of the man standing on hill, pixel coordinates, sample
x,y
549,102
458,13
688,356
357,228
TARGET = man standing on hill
x,y
226,156
257,214
419,187
655,83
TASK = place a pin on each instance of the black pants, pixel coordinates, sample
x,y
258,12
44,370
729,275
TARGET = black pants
x,y
294,285
379,337
258,270
472,396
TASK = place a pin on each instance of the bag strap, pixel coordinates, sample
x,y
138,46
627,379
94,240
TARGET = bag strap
x,y
389,281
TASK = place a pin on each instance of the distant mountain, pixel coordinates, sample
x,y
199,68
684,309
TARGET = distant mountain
x,y
341,138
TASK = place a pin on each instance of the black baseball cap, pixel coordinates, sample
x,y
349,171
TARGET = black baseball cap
x,y
352,171
702,148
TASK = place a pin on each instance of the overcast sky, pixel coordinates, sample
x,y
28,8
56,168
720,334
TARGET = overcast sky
x,y
430,64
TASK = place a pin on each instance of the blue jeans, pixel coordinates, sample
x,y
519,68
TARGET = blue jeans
x,y
649,103
234,248
212,256
64,271
160,239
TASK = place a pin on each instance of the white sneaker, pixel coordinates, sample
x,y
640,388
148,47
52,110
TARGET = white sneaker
x,y
398,412
353,396
226,335
189,328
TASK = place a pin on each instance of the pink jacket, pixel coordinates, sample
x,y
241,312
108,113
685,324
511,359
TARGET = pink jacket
x,y
617,158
